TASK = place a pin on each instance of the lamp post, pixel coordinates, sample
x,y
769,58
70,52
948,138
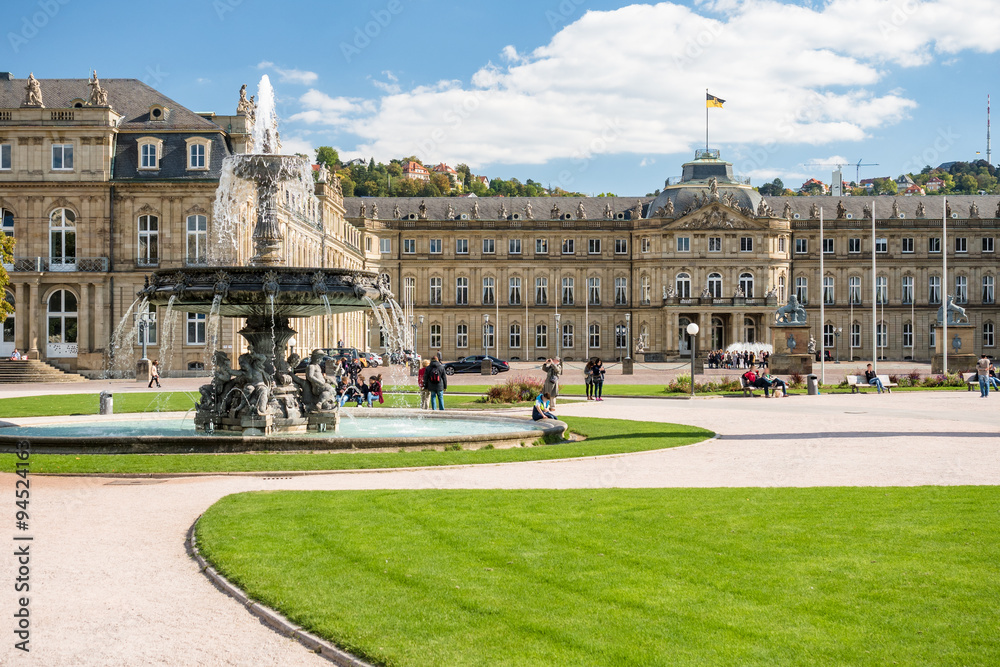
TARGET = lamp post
x,y
414,324
558,334
291,345
836,333
143,332
692,330
628,335
486,328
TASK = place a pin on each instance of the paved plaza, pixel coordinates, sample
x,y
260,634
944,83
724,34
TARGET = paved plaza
x,y
113,585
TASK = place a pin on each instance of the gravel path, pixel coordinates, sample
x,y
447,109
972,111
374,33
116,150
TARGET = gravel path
x,y
111,583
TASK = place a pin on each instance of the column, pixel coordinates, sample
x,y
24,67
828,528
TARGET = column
x,y
735,324
21,316
33,317
84,319
99,341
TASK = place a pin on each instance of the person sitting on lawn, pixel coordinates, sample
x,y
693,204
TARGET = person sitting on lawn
x,y
543,408
375,387
873,380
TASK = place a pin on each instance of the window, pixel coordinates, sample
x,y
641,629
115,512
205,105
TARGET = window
x,y
368,244
621,337
881,245
828,335
828,291
488,335
568,247
882,290
856,335
854,290
197,239
435,246
715,285
781,288
386,280
802,289
62,317
149,247
4,156
489,291
489,246
6,222
567,292
961,244
461,246
514,294
987,244
435,335
462,336
594,291
781,244
514,246
196,156
854,246
881,335
541,291
907,296
149,153
827,246
907,334
595,336
462,291
409,246
934,289
934,244
715,244
988,294
908,245
149,329
385,246
746,244
961,289
435,291
646,290
567,335
682,283
62,156
746,284
621,291
196,328
541,246
988,339
594,247
645,244
541,336
932,336
515,336
683,244
621,246
62,238
801,246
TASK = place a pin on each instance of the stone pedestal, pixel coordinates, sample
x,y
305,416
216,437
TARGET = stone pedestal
x,y
486,368
142,371
325,420
790,354
961,349
628,367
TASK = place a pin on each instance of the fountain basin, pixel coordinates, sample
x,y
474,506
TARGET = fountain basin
x,y
174,433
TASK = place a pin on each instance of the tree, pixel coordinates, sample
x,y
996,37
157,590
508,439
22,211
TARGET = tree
x,y
346,182
773,189
442,182
328,156
7,256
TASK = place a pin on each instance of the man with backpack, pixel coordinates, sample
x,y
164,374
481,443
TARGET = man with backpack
x,y
436,381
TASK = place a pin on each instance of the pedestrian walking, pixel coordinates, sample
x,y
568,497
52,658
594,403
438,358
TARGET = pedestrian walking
x,y
154,375
983,373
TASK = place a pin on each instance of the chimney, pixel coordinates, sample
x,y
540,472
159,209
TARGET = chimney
x,y
6,76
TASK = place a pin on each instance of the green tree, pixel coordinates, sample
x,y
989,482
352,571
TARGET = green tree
x,y
346,182
328,156
7,256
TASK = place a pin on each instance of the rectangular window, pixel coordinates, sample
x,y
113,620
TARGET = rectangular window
x,y
934,290
646,245
435,291
781,244
932,336
621,337
62,156
595,336
514,246
435,246
541,246
801,246
855,335
621,291
568,247
907,335
462,336
802,290
541,336
462,291
197,239
150,327
409,246
196,328
881,335
828,336
567,292
908,245
881,245
4,156
746,244
715,244
827,246
515,336
907,289
461,246
683,244
854,290
988,295
488,331
196,156
385,246
149,247
541,291
489,246
882,290
961,289
828,291
988,338
854,246
489,291
435,335
961,244
594,247
934,244
567,336
147,159
514,294
621,246
594,291
987,244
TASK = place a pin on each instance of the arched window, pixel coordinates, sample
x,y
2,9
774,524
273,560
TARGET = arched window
x,y
6,222
62,240
149,240
62,329
594,334
8,328
718,334
683,285
746,284
515,336
715,285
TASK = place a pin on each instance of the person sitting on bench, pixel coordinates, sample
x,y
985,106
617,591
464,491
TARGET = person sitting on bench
x,y
753,380
873,380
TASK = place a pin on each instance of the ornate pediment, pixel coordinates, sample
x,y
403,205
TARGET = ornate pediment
x,y
196,209
714,216
147,210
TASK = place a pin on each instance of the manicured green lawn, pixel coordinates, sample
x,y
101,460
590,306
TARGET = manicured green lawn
x,y
822,576
604,436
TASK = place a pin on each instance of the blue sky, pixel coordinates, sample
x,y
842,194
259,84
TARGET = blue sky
x,y
593,96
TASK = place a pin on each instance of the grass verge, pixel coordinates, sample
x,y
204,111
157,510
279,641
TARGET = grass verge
x,y
834,576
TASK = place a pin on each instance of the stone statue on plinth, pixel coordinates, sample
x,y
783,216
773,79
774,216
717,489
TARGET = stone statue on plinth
x,y
790,313
956,314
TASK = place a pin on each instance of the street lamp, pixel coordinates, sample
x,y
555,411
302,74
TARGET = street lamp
x,y
414,324
291,345
692,330
836,333
143,332
628,335
486,328
558,334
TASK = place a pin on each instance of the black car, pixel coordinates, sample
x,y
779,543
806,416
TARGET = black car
x,y
474,364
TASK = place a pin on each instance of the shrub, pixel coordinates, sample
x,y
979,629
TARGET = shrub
x,y
893,378
914,376
514,390
795,380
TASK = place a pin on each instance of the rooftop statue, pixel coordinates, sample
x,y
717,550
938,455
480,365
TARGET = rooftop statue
x,y
608,213
554,214
947,208
841,210
895,209
363,210
814,211
98,96
922,210
475,210
973,210
787,212
32,93
866,211
791,313
396,212
637,210
528,214
581,212
502,212
374,211
761,209
422,209
669,208
713,189
450,213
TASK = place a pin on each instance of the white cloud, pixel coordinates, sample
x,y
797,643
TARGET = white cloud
x,y
290,75
631,80
647,162
390,86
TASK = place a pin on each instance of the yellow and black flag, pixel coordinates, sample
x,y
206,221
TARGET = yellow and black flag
x,y
713,101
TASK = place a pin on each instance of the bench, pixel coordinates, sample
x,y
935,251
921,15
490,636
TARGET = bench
x,y
972,380
748,389
857,383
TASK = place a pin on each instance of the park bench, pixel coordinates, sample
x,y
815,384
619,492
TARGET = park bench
x,y
971,380
857,383
748,389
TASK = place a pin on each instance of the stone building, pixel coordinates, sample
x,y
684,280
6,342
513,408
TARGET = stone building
x,y
595,276
102,182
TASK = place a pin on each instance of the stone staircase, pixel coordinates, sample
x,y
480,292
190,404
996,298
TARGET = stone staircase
x,y
34,370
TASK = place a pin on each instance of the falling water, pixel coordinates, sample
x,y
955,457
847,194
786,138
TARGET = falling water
x,y
266,120
121,352
167,334
326,306
396,334
213,327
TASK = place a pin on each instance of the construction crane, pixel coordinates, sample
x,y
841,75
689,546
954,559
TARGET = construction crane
x,y
841,165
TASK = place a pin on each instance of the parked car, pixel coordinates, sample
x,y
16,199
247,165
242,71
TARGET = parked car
x,y
405,357
301,368
373,358
474,364
348,353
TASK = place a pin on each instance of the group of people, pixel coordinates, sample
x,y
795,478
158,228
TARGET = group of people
x,y
772,385
433,382
593,377
17,356
356,389
744,359
986,373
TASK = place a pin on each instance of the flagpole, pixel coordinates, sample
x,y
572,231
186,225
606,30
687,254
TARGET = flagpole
x,y
706,123
822,306
874,298
944,282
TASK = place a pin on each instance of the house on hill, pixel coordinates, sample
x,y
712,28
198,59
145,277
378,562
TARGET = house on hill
x,y
416,171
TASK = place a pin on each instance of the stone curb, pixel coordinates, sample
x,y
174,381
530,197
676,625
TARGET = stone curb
x,y
268,616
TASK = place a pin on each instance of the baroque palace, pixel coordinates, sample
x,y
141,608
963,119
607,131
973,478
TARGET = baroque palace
x,y
103,181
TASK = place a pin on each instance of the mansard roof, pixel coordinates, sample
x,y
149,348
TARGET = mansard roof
x,y
489,207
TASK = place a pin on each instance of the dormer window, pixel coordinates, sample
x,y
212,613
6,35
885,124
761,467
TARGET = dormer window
x,y
150,151
157,113
78,103
198,153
